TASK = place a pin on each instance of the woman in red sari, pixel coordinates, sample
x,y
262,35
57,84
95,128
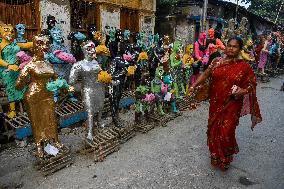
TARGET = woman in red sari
x,y
232,94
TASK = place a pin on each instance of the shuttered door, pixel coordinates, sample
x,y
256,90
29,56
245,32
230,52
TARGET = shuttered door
x,y
129,19
21,11
83,14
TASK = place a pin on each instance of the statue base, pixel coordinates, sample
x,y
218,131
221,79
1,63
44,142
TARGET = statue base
x,y
186,104
49,165
125,133
105,142
144,126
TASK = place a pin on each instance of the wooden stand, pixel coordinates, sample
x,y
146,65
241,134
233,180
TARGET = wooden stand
x,y
125,133
50,165
186,104
105,142
160,121
144,126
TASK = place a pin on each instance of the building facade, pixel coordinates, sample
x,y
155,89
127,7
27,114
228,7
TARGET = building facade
x,y
183,21
76,15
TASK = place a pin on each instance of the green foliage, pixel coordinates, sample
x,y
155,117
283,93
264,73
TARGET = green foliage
x,y
267,9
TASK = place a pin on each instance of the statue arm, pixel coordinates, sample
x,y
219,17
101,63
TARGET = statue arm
x,y
245,55
27,45
23,78
220,44
3,63
74,73
196,51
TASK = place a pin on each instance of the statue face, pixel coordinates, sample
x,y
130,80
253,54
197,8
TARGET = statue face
x,y
89,50
177,46
159,71
21,29
231,23
189,49
51,21
126,34
98,36
107,30
41,44
211,33
7,32
56,34
202,36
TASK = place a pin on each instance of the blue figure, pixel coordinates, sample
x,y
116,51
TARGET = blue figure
x,y
21,30
60,58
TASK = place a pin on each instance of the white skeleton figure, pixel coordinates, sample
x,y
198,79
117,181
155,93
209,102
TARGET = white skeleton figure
x,y
230,31
93,92
243,29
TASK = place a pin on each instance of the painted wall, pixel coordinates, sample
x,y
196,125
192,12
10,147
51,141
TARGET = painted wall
x,y
110,17
61,10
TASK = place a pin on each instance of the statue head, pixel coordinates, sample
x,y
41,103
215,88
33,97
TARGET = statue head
x,y
141,35
211,33
56,34
249,42
50,21
167,79
244,22
156,39
76,36
21,29
189,49
118,35
41,45
98,36
159,72
89,50
202,36
7,32
112,34
177,46
107,30
126,35
231,24
92,30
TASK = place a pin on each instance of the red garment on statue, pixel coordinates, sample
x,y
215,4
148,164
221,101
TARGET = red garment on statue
x,y
225,111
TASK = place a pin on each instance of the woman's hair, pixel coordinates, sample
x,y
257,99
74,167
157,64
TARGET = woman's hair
x,y
238,39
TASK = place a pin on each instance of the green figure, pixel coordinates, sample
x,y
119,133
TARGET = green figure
x,y
156,85
176,69
141,106
170,97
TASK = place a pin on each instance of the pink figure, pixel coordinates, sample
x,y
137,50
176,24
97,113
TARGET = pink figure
x,y
24,58
127,57
66,57
149,98
200,46
164,88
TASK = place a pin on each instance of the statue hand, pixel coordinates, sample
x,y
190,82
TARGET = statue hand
x,y
13,67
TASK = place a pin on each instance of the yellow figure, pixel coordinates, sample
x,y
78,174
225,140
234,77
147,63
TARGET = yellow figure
x,y
245,53
9,65
38,100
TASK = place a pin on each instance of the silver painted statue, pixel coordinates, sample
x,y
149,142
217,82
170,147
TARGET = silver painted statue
x,y
93,92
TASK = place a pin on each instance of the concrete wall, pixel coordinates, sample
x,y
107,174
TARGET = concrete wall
x,y
61,10
110,17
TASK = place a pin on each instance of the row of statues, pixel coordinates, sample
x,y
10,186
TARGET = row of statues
x,y
159,73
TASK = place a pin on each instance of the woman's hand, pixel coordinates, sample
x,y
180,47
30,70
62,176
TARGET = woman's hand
x,y
190,90
238,91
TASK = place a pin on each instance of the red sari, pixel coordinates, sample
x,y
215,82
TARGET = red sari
x,y
225,111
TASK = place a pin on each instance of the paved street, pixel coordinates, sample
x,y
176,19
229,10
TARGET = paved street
x,y
172,157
